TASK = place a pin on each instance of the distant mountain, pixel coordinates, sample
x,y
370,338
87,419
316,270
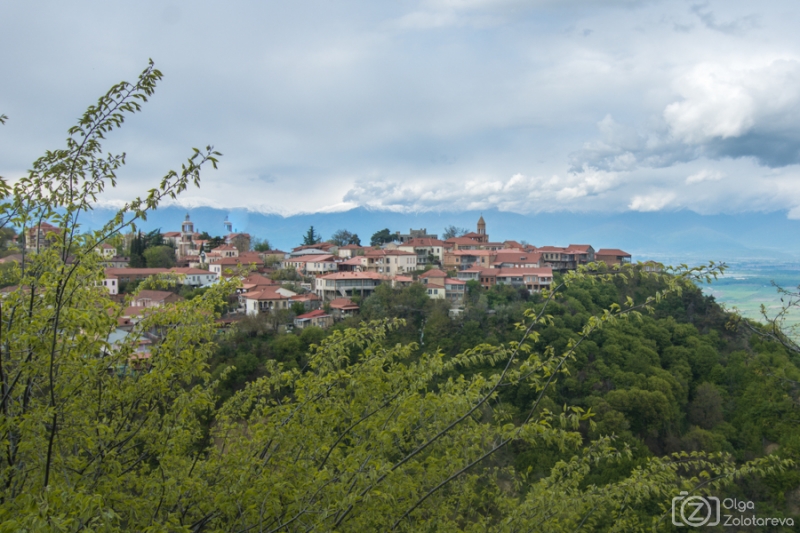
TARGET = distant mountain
x,y
660,235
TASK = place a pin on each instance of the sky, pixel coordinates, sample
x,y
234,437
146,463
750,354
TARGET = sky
x,y
426,106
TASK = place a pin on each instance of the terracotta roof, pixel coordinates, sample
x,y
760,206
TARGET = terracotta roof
x,y
384,253
451,281
517,257
310,297
266,294
313,314
343,304
352,261
224,247
404,278
171,234
106,246
474,252
581,247
612,251
258,279
433,273
326,258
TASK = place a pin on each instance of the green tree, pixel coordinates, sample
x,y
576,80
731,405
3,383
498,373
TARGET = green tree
x,y
343,237
261,245
311,237
453,231
136,253
159,257
381,237
153,238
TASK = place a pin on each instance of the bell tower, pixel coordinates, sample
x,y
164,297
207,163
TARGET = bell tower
x,y
483,237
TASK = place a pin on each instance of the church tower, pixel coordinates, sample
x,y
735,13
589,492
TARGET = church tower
x,y
186,245
482,236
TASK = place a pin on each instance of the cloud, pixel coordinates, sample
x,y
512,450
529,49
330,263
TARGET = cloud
x,y
651,202
704,175
725,111
519,193
737,26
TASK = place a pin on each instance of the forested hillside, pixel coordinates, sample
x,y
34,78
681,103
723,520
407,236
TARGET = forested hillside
x,y
685,378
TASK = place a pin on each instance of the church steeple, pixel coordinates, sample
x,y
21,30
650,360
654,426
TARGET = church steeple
x,y
481,226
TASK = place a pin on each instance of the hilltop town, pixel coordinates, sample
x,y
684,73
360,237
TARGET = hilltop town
x,y
320,282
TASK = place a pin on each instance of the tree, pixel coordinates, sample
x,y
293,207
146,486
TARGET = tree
x,y
136,252
311,237
214,242
159,257
261,245
453,231
153,238
369,435
381,237
343,237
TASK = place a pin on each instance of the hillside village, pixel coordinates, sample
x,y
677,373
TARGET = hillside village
x,y
320,283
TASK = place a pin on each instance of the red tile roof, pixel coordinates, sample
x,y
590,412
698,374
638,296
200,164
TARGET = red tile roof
x,y
384,253
266,294
326,258
309,297
612,251
343,304
317,313
433,273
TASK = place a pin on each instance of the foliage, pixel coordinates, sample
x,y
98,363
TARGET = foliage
x,y
311,237
286,274
343,237
136,251
261,245
453,231
159,257
381,237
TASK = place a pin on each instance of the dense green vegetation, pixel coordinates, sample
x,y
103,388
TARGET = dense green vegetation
x,y
680,379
